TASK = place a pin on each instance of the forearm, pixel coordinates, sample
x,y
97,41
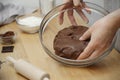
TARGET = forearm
x,y
114,18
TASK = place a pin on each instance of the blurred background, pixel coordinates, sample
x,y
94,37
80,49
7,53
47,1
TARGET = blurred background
x,y
35,3
109,4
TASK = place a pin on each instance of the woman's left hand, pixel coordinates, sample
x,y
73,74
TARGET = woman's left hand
x,y
79,4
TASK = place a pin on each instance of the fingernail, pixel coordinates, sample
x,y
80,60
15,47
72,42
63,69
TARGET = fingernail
x,y
86,21
79,58
81,38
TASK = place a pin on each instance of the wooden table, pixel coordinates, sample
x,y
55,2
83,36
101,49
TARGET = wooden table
x,y
28,47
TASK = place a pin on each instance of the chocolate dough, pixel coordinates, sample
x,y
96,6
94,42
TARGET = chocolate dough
x,y
67,43
8,37
8,34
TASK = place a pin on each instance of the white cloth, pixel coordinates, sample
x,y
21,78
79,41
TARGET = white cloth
x,y
8,12
117,44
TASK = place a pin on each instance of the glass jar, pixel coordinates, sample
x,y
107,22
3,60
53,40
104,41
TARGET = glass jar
x,y
8,38
46,6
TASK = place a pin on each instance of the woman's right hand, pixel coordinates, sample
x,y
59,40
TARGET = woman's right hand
x,y
101,34
79,4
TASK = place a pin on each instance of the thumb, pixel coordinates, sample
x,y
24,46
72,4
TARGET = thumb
x,y
86,35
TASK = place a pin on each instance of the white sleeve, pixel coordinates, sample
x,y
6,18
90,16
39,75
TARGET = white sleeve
x,y
111,5
117,44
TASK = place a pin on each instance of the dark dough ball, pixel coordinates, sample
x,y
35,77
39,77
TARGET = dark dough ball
x,y
67,43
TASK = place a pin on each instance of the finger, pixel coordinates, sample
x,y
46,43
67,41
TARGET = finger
x,y
86,8
71,17
62,8
87,51
65,1
101,49
86,35
96,53
79,11
61,16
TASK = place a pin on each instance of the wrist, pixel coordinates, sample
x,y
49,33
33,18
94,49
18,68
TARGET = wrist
x,y
114,18
110,24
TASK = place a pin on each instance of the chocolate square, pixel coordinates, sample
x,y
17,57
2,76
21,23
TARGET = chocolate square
x,y
6,49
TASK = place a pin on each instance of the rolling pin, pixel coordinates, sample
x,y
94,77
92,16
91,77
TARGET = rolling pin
x,y
28,70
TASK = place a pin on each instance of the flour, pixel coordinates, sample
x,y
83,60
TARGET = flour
x,y
30,21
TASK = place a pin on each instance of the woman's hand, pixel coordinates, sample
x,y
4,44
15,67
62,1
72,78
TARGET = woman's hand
x,y
101,35
79,4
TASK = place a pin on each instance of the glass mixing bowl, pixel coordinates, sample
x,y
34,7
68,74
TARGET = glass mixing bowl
x,y
50,27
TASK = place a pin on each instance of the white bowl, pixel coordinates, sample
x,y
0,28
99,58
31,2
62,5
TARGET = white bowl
x,y
29,24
